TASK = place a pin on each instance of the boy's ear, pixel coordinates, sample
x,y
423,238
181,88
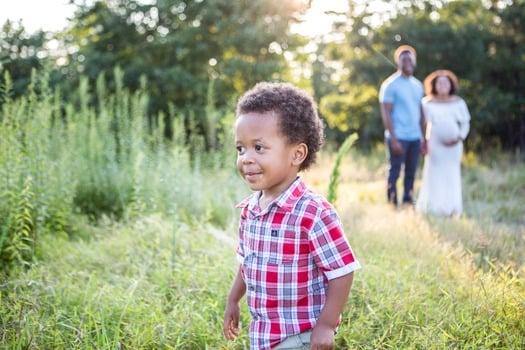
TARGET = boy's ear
x,y
300,153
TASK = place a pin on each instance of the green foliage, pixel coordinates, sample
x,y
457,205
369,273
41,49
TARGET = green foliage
x,y
18,230
121,295
35,191
443,32
187,46
335,109
353,112
184,47
20,55
106,141
335,174
64,159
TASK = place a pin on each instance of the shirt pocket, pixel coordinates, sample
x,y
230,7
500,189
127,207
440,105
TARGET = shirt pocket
x,y
286,247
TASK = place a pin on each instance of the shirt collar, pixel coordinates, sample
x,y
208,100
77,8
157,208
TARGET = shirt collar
x,y
285,200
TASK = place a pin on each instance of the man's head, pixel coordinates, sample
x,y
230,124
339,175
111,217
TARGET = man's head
x,y
405,57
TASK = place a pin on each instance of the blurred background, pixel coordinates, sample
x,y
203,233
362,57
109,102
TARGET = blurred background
x,y
191,56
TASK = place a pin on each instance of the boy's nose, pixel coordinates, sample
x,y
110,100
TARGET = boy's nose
x,y
247,160
247,157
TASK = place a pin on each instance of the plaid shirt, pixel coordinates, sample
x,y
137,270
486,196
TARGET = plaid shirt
x,y
288,253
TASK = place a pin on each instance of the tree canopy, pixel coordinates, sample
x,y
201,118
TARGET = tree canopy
x,y
185,49
482,42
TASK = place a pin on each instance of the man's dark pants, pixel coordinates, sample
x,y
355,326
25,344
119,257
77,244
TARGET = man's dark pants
x,y
410,158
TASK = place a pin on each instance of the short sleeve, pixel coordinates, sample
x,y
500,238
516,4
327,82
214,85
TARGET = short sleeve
x,y
242,224
331,250
386,93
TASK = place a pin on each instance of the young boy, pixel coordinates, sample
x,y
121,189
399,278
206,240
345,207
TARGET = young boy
x,y
296,264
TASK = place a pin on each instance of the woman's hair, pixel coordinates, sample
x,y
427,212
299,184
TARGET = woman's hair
x,y
430,82
296,110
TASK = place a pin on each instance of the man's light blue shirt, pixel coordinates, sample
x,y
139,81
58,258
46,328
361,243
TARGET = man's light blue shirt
x,y
405,93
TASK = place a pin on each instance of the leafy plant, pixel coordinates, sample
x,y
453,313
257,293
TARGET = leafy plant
x,y
334,176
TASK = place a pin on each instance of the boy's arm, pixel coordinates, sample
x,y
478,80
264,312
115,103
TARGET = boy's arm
x,y
232,312
323,335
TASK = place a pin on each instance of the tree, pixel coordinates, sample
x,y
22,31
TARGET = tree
x,y
180,46
505,70
482,42
20,53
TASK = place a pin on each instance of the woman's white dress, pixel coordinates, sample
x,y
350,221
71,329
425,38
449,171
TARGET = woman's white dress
x,y
440,192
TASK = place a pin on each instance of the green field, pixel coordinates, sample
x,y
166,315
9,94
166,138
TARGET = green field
x,y
158,281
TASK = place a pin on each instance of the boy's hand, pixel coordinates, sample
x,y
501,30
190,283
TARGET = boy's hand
x,y
322,338
231,321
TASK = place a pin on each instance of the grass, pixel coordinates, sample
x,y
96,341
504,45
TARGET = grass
x,y
157,282
148,285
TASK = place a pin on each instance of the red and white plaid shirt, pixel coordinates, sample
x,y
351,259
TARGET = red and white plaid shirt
x,y
288,253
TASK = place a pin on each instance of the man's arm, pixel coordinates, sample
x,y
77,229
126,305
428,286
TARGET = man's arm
x,y
386,115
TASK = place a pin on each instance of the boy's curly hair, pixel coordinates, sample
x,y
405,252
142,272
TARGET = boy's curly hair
x,y
297,112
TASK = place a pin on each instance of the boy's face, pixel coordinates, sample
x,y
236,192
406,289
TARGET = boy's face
x,y
265,160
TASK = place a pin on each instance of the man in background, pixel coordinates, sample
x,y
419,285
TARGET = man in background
x,y
400,100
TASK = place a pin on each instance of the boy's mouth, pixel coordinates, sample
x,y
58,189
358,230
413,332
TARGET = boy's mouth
x,y
251,175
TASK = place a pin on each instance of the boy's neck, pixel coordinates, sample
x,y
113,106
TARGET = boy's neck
x,y
267,197
264,203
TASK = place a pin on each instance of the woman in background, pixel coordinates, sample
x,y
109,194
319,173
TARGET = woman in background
x,y
447,125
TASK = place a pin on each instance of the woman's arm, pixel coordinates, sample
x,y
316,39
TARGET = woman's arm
x,y
464,123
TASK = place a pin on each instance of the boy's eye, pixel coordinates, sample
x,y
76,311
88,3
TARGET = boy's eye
x,y
259,148
240,149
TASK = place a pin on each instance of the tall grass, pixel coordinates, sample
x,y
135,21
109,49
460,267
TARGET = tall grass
x,y
336,173
98,155
36,190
